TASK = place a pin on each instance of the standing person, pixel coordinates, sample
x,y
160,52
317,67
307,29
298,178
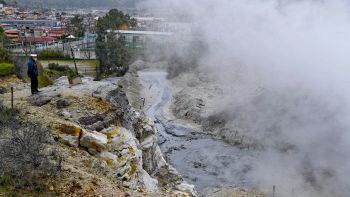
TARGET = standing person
x,y
33,73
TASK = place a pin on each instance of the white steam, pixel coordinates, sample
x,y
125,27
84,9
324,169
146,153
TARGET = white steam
x,y
285,70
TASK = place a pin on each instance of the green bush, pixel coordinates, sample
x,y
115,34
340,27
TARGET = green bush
x,y
53,66
52,54
43,78
57,67
6,69
71,74
5,180
4,55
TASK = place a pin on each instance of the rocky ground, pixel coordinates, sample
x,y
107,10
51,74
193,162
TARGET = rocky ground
x,y
109,144
109,148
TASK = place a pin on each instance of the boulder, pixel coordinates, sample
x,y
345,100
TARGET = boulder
x,y
147,182
3,90
90,120
98,126
66,114
40,100
62,103
187,188
75,81
69,134
93,140
70,140
111,132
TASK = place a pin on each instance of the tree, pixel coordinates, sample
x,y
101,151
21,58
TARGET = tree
x,y
111,51
76,26
90,23
4,40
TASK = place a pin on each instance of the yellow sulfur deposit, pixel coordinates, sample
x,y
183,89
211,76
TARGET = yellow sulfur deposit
x,y
110,163
70,130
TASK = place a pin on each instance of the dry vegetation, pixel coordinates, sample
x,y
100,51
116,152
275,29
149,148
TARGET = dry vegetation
x,y
28,157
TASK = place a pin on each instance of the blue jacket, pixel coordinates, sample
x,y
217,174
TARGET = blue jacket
x,y
32,68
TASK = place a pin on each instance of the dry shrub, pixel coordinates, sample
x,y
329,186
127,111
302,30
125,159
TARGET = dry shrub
x,y
27,151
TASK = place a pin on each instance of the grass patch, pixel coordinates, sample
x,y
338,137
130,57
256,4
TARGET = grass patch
x,y
6,69
5,180
91,63
52,54
43,78
71,74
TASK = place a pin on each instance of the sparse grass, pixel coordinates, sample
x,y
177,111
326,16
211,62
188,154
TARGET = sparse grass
x,y
92,63
28,157
5,180
52,54
54,74
58,67
43,78
6,69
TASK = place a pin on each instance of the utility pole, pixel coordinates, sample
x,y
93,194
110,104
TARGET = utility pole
x,y
12,98
75,64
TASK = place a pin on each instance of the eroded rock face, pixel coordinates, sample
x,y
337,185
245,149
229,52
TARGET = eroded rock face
x,y
124,159
143,129
94,141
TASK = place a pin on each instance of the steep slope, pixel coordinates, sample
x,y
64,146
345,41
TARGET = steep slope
x,y
110,148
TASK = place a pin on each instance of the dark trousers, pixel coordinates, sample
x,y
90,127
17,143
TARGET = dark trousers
x,y
34,84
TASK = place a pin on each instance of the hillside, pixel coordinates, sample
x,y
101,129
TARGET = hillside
x,y
106,146
76,3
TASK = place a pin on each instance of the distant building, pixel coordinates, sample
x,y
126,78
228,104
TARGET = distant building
x,y
8,10
57,32
8,26
40,32
138,39
30,23
13,34
39,40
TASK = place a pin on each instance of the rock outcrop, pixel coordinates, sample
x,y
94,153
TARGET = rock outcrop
x,y
123,138
144,131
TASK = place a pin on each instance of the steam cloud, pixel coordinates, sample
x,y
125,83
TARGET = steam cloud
x,y
285,70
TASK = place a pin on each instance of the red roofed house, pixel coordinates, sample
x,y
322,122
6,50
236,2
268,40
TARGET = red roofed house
x,y
13,34
57,32
42,40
